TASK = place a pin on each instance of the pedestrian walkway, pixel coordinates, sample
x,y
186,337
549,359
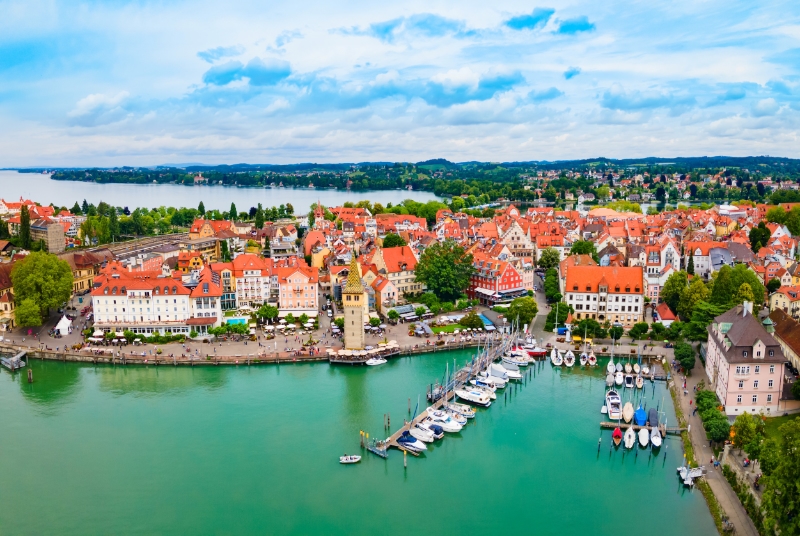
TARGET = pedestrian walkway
x,y
728,501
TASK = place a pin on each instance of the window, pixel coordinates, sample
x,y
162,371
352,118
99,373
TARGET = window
x,y
755,399
741,384
769,398
755,384
757,369
771,369
769,384
771,353
744,354
739,399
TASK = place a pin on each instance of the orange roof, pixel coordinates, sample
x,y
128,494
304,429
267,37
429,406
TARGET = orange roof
x,y
399,259
618,279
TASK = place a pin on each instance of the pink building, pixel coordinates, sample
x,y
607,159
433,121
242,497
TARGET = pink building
x,y
744,362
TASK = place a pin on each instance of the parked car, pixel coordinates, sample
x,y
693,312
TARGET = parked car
x,y
330,313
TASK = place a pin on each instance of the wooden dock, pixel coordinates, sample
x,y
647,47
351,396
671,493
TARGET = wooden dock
x,y
610,425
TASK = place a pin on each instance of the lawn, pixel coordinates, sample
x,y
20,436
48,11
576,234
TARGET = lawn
x,y
773,423
447,329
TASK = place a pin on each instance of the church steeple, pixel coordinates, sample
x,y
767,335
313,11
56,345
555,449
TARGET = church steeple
x,y
354,305
353,284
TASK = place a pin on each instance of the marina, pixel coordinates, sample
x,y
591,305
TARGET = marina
x,y
282,429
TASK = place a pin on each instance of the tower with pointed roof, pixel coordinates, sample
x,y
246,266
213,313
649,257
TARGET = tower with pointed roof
x,y
353,305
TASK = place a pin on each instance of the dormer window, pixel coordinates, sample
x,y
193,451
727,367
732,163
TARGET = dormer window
x,y
771,353
114,290
588,288
744,354
105,291
574,287
616,289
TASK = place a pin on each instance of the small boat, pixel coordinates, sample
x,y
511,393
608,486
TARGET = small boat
x,y
498,382
592,359
614,405
629,383
616,436
421,432
639,382
13,363
610,367
619,378
349,459
584,358
435,429
511,371
374,361
407,441
444,420
486,384
639,416
609,380
652,417
636,368
644,437
618,367
655,438
456,416
474,395
556,358
645,370
481,387
627,412
630,438
535,351
569,358
628,368
462,409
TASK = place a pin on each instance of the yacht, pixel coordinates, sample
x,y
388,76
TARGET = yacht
x,y
628,381
499,371
444,420
614,405
555,358
498,382
421,432
461,409
569,358
474,395
486,386
456,416
511,370
409,442
517,361
374,361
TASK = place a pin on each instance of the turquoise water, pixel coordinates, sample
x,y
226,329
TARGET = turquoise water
x,y
218,450
486,321
236,320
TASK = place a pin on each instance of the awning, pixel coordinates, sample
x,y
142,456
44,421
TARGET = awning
x,y
201,321
485,291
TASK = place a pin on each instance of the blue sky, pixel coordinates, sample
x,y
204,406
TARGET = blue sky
x,y
143,83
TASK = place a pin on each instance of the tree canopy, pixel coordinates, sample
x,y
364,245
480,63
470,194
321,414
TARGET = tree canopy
x,y
43,278
549,259
673,289
445,268
584,247
781,498
524,309
392,240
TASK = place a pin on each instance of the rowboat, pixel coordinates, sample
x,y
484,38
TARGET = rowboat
x,y
349,459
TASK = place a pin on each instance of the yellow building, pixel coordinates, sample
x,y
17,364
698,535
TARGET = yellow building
x,y
353,302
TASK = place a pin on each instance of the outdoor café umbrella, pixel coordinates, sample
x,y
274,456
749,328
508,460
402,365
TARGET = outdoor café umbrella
x,y
282,321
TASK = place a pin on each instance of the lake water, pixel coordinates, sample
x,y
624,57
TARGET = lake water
x,y
218,450
40,188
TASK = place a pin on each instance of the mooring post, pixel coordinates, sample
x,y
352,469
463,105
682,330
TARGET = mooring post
x,y
409,405
361,437
598,444
30,376
405,460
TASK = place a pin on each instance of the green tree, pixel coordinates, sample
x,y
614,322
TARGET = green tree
x,y
446,269
224,253
696,292
718,429
392,314
690,266
523,309
28,314
781,498
259,218
339,322
393,240
723,289
674,287
777,215
742,274
657,331
419,311
233,213
602,193
303,318
201,209
471,320
85,207
76,209
743,294
616,332
584,247
684,354
549,258
639,330
270,312
591,328
773,285
745,430
290,319
374,322
563,310
113,225
25,227
796,390
759,236
43,278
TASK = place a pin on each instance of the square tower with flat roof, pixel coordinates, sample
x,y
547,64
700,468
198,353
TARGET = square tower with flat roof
x,y
353,303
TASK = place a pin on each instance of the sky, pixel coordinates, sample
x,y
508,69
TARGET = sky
x,y
143,83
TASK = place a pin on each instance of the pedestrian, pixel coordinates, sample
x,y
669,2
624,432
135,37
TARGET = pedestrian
x,y
690,402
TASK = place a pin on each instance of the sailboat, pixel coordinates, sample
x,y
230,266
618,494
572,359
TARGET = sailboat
x,y
619,378
630,437
639,382
569,358
610,367
627,412
555,358
636,368
639,416
644,437
584,358
592,359
645,370
628,368
609,380
619,367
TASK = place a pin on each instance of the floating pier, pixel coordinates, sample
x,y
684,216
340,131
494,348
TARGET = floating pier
x,y
610,425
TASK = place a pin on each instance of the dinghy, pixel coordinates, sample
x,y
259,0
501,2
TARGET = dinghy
x,y
616,436
349,459
627,412
619,378
639,382
630,438
644,437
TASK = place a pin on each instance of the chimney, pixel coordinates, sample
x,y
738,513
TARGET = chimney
x,y
747,307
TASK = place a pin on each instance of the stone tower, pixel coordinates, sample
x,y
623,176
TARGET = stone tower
x,y
353,303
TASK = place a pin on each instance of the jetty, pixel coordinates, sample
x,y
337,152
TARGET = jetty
x,y
14,362
610,425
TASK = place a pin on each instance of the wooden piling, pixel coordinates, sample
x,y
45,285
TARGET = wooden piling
x,y
30,376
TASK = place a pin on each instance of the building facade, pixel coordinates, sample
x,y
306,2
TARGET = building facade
x,y
352,302
606,293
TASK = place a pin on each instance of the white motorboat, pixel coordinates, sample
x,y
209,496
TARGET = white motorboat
x,y
630,438
639,382
349,459
499,371
535,351
556,358
515,360
636,368
569,358
628,368
444,420
421,432
610,367
583,360
619,378
628,381
618,367
486,386
609,380
475,395
592,359
644,436
498,382
409,442
627,412
374,361
456,416
614,405
461,409
645,370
